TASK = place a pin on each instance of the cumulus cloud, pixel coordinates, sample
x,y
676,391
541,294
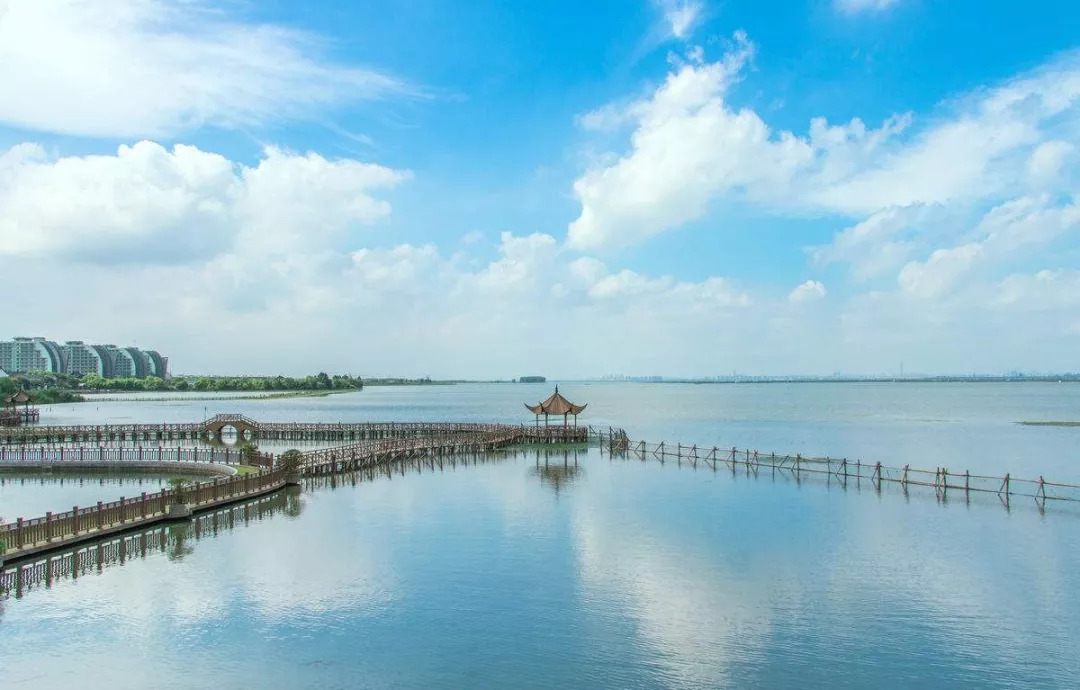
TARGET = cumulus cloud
x,y
154,68
809,291
689,149
155,205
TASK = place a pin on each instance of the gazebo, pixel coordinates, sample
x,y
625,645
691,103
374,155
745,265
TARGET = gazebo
x,y
556,405
12,416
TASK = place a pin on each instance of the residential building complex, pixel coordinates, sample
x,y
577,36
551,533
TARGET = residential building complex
x,y
22,355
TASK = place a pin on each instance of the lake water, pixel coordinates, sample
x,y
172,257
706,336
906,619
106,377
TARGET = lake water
x,y
578,570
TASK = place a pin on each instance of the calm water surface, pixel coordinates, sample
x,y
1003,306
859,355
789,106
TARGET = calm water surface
x,y
608,573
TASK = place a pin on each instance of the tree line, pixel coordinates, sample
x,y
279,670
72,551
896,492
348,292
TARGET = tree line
x,y
45,387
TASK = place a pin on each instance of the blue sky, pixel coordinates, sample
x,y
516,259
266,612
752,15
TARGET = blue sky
x,y
487,189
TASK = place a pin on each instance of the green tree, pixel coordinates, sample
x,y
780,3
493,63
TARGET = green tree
x,y
249,453
291,459
177,486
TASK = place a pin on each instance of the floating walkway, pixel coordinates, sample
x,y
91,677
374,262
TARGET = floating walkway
x,y
248,428
211,460
25,538
28,538
93,556
175,538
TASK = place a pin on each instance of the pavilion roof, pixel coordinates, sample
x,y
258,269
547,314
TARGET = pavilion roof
x,y
556,404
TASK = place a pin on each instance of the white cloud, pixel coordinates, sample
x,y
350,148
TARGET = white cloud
x,y
1048,160
690,150
155,68
810,291
933,276
154,205
681,16
864,5
1003,233
875,246
144,203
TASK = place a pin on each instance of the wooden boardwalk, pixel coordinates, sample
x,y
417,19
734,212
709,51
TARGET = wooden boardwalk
x,y
175,538
25,538
71,542
82,457
270,431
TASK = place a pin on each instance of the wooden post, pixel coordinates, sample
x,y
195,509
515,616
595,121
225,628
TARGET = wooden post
x,y
75,520
100,515
19,533
48,526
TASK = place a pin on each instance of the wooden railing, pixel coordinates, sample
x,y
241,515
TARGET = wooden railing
x,y
266,430
145,455
73,525
944,481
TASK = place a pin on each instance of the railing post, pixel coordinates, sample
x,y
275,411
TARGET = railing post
x,y
48,526
143,502
75,520
19,533
123,510
100,515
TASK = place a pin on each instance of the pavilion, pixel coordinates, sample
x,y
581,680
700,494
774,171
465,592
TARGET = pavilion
x,y
12,416
556,405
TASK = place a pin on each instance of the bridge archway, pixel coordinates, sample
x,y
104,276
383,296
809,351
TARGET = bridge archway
x,y
246,429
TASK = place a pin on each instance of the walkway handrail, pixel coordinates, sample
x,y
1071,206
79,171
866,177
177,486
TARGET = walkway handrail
x,y
941,479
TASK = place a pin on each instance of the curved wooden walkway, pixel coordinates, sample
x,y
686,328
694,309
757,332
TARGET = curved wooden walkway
x,y
24,538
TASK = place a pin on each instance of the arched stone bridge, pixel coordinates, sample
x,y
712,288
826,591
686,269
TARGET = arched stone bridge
x,y
246,428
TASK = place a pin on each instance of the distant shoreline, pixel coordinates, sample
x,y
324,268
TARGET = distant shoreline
x,y
1070,378
1063,424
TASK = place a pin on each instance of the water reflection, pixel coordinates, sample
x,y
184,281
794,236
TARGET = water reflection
x,y
176,540
557,469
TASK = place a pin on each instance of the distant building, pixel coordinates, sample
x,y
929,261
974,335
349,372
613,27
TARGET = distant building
x,y
159,366
30,354
77,358
532,379
85,359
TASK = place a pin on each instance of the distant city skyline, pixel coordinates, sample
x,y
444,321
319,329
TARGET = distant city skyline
x,y
473,190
